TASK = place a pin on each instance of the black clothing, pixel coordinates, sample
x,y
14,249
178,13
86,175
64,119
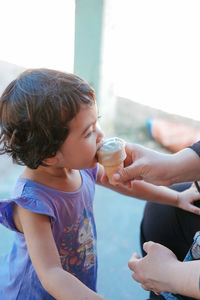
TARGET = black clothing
x,y
171,227
196,147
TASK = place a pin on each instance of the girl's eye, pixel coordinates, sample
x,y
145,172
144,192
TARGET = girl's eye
x,y
89,134
94,128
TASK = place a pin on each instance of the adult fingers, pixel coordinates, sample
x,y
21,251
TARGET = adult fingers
x,y
133,260
104,178
145,287
126,174
147,246
193,209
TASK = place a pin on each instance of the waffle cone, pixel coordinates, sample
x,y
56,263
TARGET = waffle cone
x,y
112,170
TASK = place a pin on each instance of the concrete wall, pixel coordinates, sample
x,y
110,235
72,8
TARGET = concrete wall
x,y
36,34
8,72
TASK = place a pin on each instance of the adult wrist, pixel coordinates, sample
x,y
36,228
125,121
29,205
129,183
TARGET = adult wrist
x,y
186,166
184,279
174,278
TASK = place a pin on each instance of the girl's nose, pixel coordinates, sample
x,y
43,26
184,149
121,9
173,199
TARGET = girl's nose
x,y
100,133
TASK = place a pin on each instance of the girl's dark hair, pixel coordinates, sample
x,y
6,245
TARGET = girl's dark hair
x,y
35,111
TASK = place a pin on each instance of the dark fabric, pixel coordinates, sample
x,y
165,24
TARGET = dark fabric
x,y
156,298
170,226
196,147
160,297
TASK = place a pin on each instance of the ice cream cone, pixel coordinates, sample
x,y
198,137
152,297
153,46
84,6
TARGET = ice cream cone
x,y
112,155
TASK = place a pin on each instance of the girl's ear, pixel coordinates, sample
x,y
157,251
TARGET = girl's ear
x,y
51,161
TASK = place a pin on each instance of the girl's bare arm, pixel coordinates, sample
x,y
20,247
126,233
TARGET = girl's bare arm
x,y
46,261
159,194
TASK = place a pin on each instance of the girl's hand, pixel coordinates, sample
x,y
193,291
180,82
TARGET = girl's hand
x,y
187,198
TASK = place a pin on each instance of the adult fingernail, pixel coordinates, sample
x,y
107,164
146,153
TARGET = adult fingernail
x,y
116,176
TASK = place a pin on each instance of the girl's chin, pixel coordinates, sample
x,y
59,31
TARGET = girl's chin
x,y
94,163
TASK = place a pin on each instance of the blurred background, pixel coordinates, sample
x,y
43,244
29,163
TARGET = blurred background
x,y
142,58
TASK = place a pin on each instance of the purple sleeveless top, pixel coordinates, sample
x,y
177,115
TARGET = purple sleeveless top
x,y
74,232
196,147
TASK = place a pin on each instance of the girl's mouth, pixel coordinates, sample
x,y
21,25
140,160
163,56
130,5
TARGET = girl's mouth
x,y
96,157
99,146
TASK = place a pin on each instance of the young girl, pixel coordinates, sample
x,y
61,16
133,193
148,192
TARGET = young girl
x,y
48,123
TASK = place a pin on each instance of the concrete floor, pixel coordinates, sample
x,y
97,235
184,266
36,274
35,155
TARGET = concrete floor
x,y
118,220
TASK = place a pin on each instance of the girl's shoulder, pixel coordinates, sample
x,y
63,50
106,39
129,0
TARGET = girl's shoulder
x,y
41,199
28,195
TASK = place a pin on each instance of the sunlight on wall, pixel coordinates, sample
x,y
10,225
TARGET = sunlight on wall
x,y
38,33
157,54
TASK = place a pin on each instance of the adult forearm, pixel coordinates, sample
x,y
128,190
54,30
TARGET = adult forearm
x,y
64,286
184,166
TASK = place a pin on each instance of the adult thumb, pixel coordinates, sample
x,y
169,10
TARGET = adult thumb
x,y
147,246
125,174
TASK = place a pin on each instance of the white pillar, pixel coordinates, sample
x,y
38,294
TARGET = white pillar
x,y
108,70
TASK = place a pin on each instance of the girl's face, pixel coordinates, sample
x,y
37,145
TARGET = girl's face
x,y
84,139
